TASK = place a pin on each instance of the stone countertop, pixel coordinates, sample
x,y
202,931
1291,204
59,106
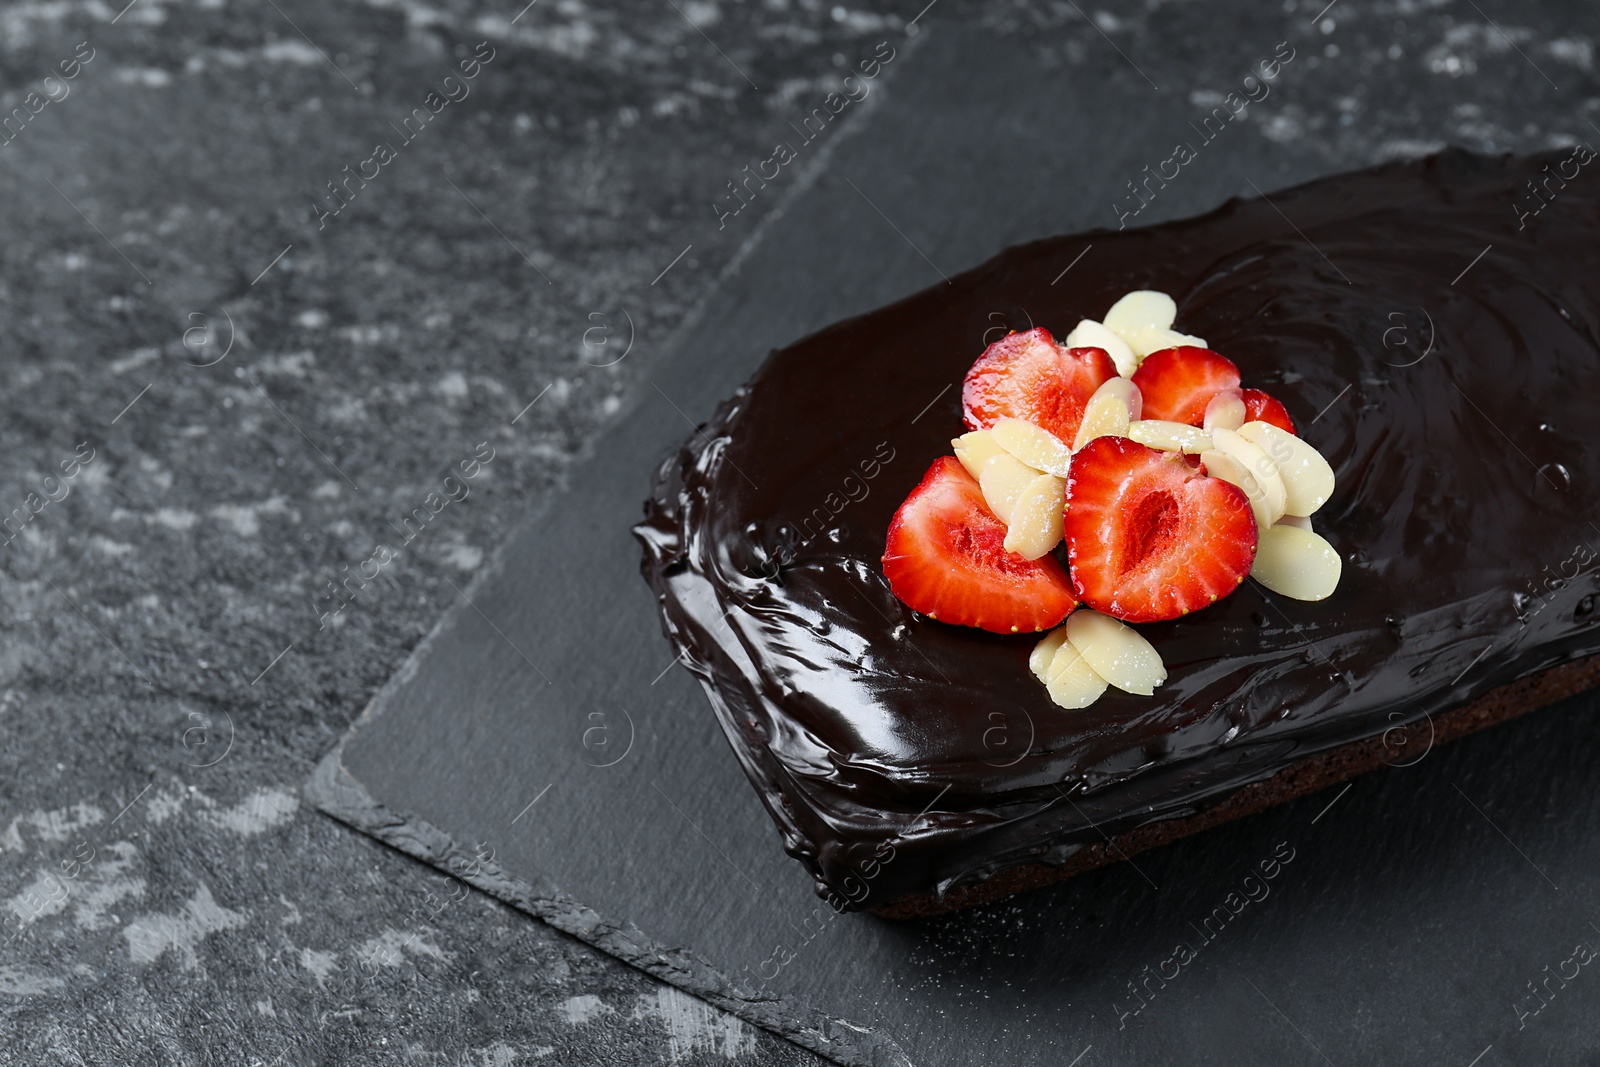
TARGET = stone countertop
x,y
225,384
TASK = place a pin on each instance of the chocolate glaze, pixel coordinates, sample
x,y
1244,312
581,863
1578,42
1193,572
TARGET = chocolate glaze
x,y
900,755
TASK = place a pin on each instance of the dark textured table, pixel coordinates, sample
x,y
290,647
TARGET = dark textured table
x,y
228,383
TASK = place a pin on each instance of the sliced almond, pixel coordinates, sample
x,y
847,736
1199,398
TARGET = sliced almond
x,y
1259,464
1170,436
1033,445
1225,410
975,449
1307,477
1107,414
1002,480
1034,527
1127,392
1150,341
1072,682
1223,465
1144,318
1294,562
1140,311
1116,651
1091,334
1039,659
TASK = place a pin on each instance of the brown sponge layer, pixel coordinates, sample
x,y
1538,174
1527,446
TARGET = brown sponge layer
x,y
1297,780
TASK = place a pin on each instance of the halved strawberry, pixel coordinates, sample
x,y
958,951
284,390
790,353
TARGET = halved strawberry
x,y
1149,536
1029,376
1264,407
1177,383
946,558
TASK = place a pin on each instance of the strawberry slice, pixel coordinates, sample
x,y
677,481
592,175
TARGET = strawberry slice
x,y
1177,383
1149,536
1264,407
1029,376
946,558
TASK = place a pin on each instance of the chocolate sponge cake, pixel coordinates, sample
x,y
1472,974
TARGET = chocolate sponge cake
x,y
1432,328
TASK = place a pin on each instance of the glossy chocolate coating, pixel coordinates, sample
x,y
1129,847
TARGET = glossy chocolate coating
x,y
900,755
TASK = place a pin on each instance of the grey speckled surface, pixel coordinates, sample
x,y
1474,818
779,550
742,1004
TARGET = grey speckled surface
x,y
167,680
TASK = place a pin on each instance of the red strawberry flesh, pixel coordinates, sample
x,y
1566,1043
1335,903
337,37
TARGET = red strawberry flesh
x,y
1178,383
1264,407
1028,376
1151,537
946,558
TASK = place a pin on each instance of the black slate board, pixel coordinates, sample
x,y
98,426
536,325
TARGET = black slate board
x,y
544,719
